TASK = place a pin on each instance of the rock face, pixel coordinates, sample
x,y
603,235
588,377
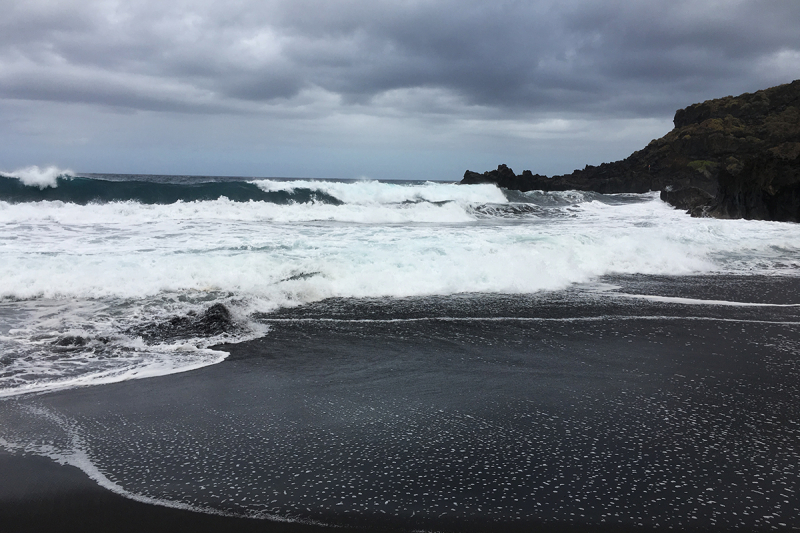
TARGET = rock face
x,y
695,201
733,157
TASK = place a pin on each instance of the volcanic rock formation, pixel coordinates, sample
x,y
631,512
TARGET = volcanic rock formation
x,y
216,320
733,157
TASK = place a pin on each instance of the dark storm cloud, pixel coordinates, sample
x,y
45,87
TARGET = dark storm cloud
x,y
632,58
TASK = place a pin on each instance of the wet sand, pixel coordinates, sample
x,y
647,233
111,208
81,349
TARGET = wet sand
x,y
37,494
575,411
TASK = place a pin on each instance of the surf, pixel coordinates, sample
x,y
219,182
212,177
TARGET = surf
x,y
90,263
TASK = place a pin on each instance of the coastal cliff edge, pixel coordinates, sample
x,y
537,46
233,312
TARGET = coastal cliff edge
x,y
732,157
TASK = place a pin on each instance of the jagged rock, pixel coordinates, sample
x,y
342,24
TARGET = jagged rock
x,y
216,320
742,152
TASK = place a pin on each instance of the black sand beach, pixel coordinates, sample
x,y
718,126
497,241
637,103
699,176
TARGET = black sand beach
x,y
581,410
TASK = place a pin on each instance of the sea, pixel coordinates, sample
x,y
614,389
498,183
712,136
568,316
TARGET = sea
x,y
416,355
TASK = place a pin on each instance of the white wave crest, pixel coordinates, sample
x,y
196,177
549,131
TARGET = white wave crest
x,y
228,211
33,176
370,192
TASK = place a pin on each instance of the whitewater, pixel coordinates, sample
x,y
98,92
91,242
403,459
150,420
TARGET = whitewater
x,y
87,261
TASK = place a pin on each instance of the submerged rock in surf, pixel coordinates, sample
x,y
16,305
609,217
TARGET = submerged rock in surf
x,y
76,342
734,157
71,340
216,320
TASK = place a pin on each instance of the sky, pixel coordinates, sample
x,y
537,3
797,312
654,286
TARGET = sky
x,y
401,89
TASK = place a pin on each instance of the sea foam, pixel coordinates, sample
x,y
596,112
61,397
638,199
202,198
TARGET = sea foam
x,y
289,254
130,250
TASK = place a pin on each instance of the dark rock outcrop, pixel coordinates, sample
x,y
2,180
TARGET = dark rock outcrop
x,y
216,320
695,201
71,340
733,157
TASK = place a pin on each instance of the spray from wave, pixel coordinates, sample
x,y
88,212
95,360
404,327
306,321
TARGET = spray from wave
x,y
33,176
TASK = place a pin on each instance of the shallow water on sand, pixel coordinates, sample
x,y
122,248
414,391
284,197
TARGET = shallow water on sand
x,y
470,412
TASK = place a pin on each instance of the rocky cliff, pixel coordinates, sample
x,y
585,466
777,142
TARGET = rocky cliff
x,y
733,157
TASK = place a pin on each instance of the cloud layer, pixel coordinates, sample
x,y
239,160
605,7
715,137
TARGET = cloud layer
x,y
429,60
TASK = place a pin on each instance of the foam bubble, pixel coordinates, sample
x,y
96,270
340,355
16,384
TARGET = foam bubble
x,y
33,176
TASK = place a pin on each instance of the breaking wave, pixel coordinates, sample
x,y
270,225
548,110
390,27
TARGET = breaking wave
x,y
33,176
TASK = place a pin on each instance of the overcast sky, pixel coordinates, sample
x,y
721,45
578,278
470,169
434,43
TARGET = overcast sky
x,y
415,89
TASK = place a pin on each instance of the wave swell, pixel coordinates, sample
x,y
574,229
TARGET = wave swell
x,y
83,191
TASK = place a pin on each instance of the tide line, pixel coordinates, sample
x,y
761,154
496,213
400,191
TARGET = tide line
x,y
696,301
525,319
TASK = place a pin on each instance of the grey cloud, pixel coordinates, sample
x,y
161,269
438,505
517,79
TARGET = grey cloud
x,y
633,58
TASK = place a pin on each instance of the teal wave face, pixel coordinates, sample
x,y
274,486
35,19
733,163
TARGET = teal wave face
x,y
85,191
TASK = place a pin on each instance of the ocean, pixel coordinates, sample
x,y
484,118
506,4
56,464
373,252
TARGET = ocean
x,y
408,355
